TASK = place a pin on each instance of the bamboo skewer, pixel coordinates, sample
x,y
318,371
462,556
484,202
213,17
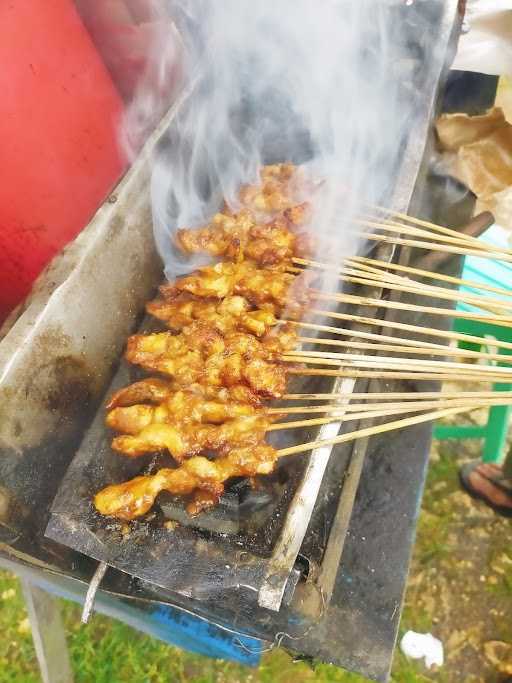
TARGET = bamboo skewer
x,y
503,320
416,329
420,351
413,287
419,289
381,276
372,277
425,347
345,415
327,358
441,236
341,417
365,260
382,361
390,374
414,344
395,395
371,431
391,363
401,220
360,261
340,409
433,226
357,334
433,246
403,229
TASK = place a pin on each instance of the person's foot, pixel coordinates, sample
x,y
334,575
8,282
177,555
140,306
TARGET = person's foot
x,y
486,482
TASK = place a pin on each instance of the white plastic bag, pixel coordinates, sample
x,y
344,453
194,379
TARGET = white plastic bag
x,y
487,45
423,646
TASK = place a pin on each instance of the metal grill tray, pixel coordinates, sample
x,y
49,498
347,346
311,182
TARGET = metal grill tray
x,y
246,525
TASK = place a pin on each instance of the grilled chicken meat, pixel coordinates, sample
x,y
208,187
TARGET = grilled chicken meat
x,y
182,439
202,355
134,498
232,313
155,390
274,290
225,359
239,236
186,423
281,187
151,390
180,405
223,236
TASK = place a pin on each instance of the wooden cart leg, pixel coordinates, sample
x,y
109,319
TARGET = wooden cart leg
x,y
48,634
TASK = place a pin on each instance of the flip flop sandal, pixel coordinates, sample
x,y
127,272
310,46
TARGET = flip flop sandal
x,y
464,473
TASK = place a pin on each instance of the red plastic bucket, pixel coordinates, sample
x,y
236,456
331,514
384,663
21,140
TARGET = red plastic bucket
x,y
59,157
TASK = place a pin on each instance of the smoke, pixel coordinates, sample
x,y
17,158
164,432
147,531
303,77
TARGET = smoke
x,y
316,83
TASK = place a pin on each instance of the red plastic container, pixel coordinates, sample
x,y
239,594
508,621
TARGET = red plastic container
x,y
59,155
122,32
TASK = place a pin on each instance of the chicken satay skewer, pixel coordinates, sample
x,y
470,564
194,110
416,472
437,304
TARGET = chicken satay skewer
x,y
134,498
266,372
182,441
198,285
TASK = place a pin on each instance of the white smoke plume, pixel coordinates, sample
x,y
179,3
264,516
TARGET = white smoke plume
x,y
315,82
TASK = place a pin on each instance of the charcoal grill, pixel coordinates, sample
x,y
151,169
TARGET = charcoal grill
x,y
262,569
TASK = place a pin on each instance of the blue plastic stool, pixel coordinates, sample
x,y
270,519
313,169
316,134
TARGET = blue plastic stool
x,y
494,274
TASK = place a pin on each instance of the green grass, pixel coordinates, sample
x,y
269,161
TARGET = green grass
x,y
107,651
442,477
500,558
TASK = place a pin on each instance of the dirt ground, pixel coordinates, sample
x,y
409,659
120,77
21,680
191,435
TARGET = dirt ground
x,y
460,586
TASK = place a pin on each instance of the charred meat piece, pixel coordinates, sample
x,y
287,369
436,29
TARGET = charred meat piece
x,y
232,313
279,187
181,407
240,237
270,244
225,235
201,355
259,286
183,440
151,390
248,233
267,289
216,281
134,498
